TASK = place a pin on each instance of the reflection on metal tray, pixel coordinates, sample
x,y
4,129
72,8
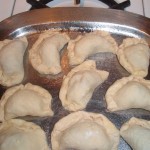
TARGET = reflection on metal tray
x,y
76,21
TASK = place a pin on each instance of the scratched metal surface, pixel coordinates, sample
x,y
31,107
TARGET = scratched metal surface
x,y
77,21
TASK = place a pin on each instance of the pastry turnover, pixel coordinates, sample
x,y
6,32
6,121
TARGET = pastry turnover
x,y
28,100
88,44
17,134
84,131
11,61
133,54
136,132
45,53
128,92
78,86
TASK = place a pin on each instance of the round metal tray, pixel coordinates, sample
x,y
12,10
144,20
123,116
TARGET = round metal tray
x,y
77,21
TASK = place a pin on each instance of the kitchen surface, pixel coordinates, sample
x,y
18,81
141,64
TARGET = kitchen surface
x,y
12,7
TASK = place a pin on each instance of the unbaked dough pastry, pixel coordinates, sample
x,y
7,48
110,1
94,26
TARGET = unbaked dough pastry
x,y
45,53
17,134
128,92
78,86
88,44
28,100
11,61
84,131
136,132
133,54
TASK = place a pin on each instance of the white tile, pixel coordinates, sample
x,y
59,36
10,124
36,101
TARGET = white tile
x,y
136,7
120,1
83,3
6,7
147,8
21,6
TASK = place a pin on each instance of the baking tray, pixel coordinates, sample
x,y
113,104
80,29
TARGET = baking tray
x,y
77,21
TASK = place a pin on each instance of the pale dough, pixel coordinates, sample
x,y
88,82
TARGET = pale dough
x,y
128,92
84,131
133,54
45,52
90,43
17,134
79,84
11,61
136,132
28,100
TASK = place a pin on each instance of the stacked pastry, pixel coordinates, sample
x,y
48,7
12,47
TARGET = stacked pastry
x,y
95,130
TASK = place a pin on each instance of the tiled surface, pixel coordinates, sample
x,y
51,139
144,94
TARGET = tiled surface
x,y
147,8
21,6
12,7
136,7
6,7
85,3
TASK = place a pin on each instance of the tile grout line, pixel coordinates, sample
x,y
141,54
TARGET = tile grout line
x,y
13,7
143,7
